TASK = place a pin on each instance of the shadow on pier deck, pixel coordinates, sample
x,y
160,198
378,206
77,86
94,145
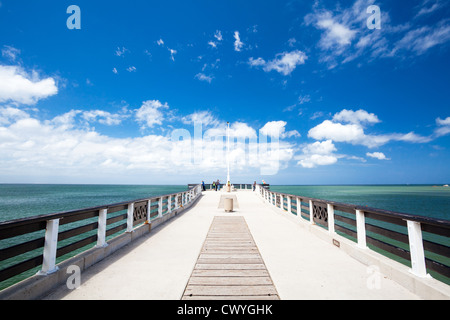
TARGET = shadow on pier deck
x,y
294,259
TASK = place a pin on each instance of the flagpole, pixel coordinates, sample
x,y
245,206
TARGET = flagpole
x,y
228,151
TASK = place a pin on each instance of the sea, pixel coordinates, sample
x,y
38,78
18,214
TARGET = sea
x,y
28,200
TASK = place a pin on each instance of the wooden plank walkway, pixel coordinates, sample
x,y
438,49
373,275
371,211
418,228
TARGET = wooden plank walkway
x,y
230,266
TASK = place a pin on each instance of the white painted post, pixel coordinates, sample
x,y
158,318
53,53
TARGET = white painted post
x,y
130,212
416,249
50,247
330,210
361,229
149,209
281,202
160,204
299,208
169,204
101,230
311,212
176,201
289,204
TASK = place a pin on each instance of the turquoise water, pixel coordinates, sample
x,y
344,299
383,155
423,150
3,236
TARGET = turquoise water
x,y
423,200
28,200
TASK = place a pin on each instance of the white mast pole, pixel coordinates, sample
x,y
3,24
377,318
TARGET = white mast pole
x,y
228,151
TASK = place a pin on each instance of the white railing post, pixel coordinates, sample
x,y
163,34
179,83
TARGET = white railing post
x,y
416,249
160,205
361,229
149,209
311,212
130,212
101,230
330,210
299,208
289,204
50,247
176,201
169,204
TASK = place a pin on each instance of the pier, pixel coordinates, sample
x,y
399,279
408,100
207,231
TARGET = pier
x,y
184,246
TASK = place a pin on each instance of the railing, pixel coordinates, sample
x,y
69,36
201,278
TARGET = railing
x,y
421,242
238,186
43,241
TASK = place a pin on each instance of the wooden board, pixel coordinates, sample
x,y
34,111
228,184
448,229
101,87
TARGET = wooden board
x,y
230,266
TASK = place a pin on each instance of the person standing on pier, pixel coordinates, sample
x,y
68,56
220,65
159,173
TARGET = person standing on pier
x,y
254,186
214,186
203,186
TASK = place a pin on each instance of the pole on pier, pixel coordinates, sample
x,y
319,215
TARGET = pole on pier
x,y
228,154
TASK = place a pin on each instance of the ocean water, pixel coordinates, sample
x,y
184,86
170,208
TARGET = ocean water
x,y
422,200
28,200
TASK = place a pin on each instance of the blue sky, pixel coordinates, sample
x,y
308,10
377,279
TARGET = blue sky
x,y
346,104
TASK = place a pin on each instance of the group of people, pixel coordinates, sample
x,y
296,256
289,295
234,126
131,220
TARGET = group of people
x,y
215,185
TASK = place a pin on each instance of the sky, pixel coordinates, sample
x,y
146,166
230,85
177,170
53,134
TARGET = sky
x,y
140,92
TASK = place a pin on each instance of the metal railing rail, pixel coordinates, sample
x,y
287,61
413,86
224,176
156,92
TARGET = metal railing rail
x,y
38,241
422,242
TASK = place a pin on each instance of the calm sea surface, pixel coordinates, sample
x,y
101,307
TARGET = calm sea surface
x,y
27,200
423,200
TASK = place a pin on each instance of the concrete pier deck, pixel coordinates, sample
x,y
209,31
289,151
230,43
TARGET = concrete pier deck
x,y
301,264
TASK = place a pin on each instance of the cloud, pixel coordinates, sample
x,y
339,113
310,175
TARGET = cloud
x,y
377,155
115,71
443,127
284,63
423,38
172,54
150,113
204,77
160,42
318,154
131,69
61,149
238,44
19,87
203,117
121,51
103,117
277,129
353,132
356,117
10,53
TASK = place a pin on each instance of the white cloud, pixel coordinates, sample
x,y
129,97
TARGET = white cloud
x,y
103,117
115,71
318,154
377,155
172,54
10,53
131,69
59,149
218,35
238,44
204,77
203,117
356,117
17,86
277,129
160,42
150,113
284,63
121,51
443,127
353,132
423,38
